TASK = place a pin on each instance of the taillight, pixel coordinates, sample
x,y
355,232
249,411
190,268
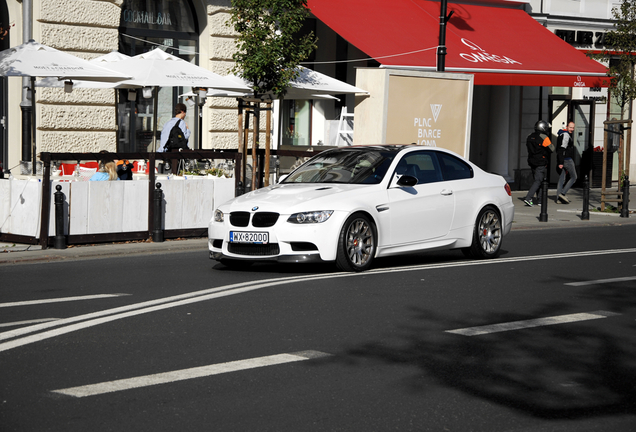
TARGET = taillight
x,y
507,188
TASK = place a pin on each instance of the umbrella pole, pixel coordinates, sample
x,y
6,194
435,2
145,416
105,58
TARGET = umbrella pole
x,y
33,127
154,118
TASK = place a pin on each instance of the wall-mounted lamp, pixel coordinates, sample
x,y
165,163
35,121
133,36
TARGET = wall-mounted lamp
x,y
68,86
132,95
189,101
202,92
147,92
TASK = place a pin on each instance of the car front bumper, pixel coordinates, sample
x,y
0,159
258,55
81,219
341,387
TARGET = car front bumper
x,y
288,242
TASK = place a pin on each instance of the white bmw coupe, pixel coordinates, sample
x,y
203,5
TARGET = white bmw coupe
x,y
353,204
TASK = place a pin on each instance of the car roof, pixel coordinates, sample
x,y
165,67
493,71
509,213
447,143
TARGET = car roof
x,y
394,148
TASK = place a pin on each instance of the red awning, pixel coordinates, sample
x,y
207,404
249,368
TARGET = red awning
x,y
500,46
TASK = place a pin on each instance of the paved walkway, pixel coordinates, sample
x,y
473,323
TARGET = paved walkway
x,y
566,215
559,216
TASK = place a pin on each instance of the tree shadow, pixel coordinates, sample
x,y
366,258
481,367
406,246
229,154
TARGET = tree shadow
x,y
567,371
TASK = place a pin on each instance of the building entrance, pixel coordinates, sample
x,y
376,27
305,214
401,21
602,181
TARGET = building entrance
x,y
145,25
582,113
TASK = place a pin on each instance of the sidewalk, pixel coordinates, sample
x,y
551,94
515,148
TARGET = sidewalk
x,y
559,216
566,215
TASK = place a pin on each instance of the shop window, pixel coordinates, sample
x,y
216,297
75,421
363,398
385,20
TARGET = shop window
x,y
297,122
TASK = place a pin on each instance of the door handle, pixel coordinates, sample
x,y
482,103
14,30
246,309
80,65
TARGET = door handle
x,y
446,192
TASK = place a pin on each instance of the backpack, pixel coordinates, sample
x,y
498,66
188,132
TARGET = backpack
x,y
176,139
536,152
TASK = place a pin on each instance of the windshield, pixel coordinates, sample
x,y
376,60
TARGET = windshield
x,y
352,166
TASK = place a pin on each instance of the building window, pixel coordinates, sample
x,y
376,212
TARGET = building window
x,y
297,122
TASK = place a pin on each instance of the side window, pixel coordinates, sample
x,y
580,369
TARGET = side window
x,y
454,168
421,165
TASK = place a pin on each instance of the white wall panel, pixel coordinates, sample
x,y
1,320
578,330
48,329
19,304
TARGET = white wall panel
x,y
5,205
25,207
105,206
135,213
78,209
198,203
173,191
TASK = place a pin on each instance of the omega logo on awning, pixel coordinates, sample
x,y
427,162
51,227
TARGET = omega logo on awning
x,y
482,56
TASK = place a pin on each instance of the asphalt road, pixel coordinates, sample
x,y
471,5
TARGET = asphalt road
x,y
541,339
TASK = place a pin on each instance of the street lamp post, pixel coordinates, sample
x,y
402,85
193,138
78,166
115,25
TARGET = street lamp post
x,y
441,48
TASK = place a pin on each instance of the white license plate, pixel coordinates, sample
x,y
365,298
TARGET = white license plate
x,y
249,237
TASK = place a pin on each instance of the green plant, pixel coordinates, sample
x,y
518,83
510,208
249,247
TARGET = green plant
x,y
190,173
608,209
619,56
217,172
270,44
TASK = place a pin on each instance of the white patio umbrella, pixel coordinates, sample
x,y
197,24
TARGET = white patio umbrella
x,y
158,68
102,61
33,59
309,85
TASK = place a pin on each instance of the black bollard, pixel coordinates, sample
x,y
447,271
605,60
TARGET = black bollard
x,y
240,190
60,239
625,208
543,216
157,234
585,214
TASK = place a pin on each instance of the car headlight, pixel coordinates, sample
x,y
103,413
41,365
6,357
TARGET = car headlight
x,y
218,215
310,217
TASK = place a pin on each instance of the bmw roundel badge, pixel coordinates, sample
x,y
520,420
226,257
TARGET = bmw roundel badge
x,y
255,208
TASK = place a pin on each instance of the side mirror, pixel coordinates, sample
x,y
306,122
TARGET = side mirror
x,y
407,180
281,178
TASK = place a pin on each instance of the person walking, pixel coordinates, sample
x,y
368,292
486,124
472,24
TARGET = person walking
x,y
180,111
537,144
565,163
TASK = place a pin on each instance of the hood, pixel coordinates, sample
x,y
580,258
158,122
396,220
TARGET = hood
x,y
294,197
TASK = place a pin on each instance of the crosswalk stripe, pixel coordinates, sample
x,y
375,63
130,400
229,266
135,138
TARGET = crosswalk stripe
x,y
185,374
538,322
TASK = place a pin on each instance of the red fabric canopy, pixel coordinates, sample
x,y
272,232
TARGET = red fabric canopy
x,y
500,46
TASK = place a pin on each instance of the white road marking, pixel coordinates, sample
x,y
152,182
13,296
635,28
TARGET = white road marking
x,y
35,321
88,320
59,300
601,281
539,322
185,374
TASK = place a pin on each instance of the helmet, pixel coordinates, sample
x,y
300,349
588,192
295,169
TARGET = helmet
x,y
542,126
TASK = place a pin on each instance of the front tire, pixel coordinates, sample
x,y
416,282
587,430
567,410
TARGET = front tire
x,y
356,244
487,235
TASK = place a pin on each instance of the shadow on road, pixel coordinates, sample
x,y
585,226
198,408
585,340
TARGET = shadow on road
x,y
565,371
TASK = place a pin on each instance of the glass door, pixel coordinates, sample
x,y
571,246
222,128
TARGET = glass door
x,y
581,112
560,109
583,137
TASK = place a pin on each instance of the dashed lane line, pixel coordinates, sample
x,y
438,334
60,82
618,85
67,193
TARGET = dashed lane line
x,y
601,281
538,322
186,374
